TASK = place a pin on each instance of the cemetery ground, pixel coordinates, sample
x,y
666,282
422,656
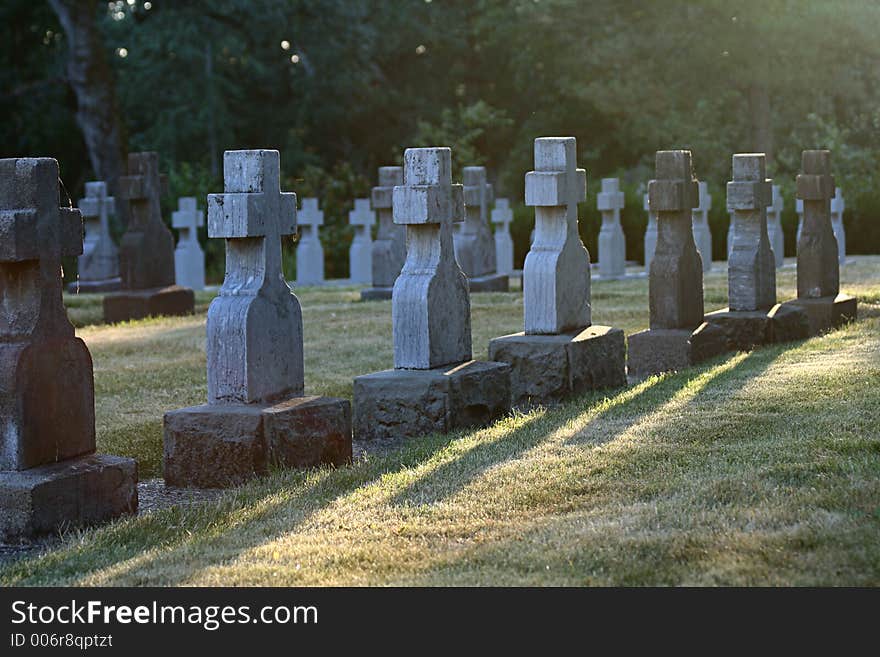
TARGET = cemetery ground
x,y
753,468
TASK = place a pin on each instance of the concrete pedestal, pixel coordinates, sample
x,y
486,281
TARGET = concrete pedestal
x,y
665,350
747,329
411,403
826,313
545,369
92,287
77,492
376,293
138,304
489,283
241,441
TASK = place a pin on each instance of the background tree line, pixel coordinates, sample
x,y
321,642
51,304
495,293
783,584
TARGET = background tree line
x,y
341,87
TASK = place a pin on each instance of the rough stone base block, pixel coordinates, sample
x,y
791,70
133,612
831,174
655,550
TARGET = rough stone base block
x,y
376,293
84,491
826,313
667,350
410,403
224,445
490,283
92,287
155,302
745,330
545,369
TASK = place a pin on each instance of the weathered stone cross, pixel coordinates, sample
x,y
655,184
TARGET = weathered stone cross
x,y
650,233
612,242
502,216
309,252
701,230
473,240
818,271
255,349
431,304
774,226
556,274
100,258
838,205
187,219
360,254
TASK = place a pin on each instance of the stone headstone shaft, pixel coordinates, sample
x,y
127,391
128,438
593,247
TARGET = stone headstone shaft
x,y
146,254
360,254
676,276
472,239
431,303
751,272
650,234
389,248
100,258
612,242
189,259
774,226
556,274
255,340
818,268
309,252
502,216
701,229
838,205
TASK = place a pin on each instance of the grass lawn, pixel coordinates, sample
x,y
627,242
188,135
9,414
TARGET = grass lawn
x,y
758,468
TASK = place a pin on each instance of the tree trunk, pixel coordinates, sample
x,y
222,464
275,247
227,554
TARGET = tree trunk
x,y
759,119
90,76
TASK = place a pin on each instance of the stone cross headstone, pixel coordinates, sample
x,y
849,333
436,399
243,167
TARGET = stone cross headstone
x,y
702,233
360,254
650,234
431,315
556,274
256,415
560,353
502,216
612,242
818,268
189,259
255,342
474,246
309,252
751,272
389,248
146,254
774,226
799,209
838,205
49,475
99,262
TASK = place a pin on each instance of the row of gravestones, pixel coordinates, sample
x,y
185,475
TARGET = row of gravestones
x,y
257,414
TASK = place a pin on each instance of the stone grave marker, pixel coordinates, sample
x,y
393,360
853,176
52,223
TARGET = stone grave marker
x,y
309,252
98,266
774,226
799,209
560,353
256,415
753,317
502,217
146,254
50,476
360,254
189,259
838,205
650,235
818,266
472,239
677,337
434,386
702,233
389,248
612,242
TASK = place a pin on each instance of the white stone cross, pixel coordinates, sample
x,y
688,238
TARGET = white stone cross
x,y
612,242
502,216
556,274
189,259
254,327
702,233
360,255
430,308
309,252
100,258
389,249
650,233
774,226
474,248
838,205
